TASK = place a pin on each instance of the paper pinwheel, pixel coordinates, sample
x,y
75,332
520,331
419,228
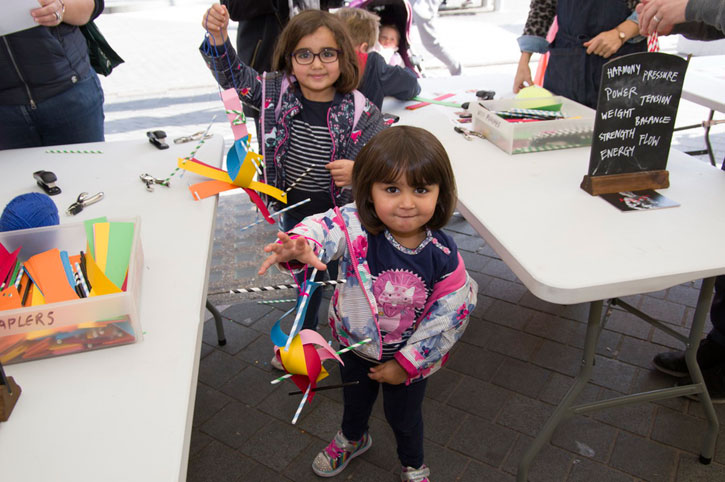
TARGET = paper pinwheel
x,y
241,163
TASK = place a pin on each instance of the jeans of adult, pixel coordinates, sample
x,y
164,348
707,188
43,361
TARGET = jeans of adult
x,y
71,117
289,221
424,15
402,405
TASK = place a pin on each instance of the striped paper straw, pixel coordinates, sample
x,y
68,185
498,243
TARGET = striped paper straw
x,y
307,171
281,211
271,302
298,315
339,352
653,43
73,151
193,152
262,289
302,404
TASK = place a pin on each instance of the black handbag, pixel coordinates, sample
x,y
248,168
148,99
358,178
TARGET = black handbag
x,y
103,58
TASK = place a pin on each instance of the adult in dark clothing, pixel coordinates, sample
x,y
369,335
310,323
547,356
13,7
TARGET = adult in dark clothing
x,y
699,20
590,33
49,93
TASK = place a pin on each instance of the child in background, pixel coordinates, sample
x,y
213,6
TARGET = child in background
x,y
379,79
388,45
310,115
407,288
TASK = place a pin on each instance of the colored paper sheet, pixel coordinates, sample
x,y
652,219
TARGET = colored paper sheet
x,y
7,262
100,238
120,243
10,299
46,270
101,285
89,232
36,297
67,268
205,189
233,106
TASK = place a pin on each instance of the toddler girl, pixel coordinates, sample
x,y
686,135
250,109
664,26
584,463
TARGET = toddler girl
x,y
388,45
407,288
309,113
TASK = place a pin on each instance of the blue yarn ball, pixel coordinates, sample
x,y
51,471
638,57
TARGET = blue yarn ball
x,y
31,210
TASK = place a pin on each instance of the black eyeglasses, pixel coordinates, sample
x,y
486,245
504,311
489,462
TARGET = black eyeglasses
x,y
306,57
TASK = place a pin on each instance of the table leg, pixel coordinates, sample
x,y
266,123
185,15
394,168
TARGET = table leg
x,y
707,139
221,338
698,324
563,409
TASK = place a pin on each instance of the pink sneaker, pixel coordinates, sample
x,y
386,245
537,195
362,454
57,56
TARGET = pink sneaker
x,y
335,457
409,474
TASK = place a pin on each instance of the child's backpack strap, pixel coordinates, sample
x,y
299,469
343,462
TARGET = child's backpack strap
x,y
359,106
283,88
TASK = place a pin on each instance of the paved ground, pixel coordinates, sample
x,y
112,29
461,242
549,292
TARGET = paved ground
x,y
512,366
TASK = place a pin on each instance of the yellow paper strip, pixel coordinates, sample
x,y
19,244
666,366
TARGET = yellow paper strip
x,y
100,235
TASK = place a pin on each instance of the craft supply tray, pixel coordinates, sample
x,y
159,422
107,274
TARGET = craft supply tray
x,y
53,329
575,130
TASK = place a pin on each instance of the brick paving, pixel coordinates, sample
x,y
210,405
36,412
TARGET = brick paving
x,y
512,366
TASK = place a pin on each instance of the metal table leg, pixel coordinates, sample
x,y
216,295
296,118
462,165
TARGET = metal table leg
x,y
594,326
563,409
218,322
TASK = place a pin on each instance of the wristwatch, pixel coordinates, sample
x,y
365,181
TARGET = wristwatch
x,y
622,36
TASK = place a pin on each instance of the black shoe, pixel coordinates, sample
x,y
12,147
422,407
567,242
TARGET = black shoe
x,y
709,354
714,380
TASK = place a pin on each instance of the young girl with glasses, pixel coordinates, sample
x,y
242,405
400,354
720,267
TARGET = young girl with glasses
x,y
406,288
309,112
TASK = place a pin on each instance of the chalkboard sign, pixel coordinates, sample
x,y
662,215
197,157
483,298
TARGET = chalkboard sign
x,y
636,111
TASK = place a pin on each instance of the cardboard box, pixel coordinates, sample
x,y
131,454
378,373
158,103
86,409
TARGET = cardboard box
x,y
35,332
575,130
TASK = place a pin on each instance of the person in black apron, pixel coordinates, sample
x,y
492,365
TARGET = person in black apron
x,y
591,33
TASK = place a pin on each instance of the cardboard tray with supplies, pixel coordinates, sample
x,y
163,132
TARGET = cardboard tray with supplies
x,y
573,130
46,330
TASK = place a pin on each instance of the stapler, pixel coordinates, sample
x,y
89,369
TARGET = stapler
x,y
46,180
158,138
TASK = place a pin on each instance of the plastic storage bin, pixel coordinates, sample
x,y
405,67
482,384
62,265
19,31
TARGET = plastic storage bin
x,y
575,130
35,332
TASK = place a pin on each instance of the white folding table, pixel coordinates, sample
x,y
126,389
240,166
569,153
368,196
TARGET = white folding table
x,y
569,247
122,413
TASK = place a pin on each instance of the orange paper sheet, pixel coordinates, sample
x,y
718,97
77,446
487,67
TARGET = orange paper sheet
x,y
10,299
47,271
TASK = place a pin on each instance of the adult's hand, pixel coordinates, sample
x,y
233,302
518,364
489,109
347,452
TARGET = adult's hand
x,y
605,44
523,73
660,15
52,13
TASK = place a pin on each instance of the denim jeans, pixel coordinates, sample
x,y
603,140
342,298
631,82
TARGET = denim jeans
x,y
72,117
310,322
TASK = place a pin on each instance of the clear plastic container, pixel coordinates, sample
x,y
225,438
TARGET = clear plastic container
x,y
34,332
574,130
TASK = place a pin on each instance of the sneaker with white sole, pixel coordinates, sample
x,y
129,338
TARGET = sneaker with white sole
x,y
409,474
334,458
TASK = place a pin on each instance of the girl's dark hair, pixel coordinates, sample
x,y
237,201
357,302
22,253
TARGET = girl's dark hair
x,y
397,150
307,22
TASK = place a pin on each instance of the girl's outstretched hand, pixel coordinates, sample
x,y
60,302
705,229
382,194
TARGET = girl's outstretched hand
x,y
216,21
287,249
389,372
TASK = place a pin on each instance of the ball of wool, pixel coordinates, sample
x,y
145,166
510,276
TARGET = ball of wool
x,y
31,210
